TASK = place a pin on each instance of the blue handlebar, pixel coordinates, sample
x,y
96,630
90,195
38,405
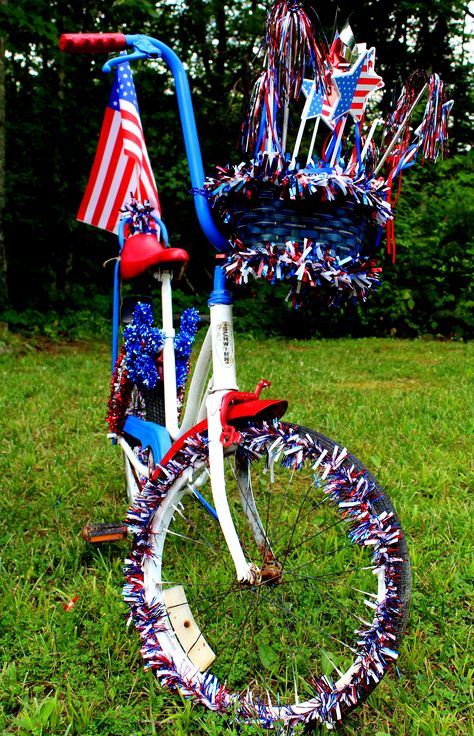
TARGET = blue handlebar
x,y
146,47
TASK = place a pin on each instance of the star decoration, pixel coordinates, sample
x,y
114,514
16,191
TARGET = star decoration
x,y
346,84
356,86
322,103
317,99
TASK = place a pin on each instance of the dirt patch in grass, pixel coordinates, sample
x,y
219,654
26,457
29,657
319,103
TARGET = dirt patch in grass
x,y
47,345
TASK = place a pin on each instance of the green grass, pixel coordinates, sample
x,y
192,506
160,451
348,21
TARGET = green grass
x,y
405,408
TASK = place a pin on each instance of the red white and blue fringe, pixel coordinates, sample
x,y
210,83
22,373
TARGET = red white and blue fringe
x,y
353,494
120,396
340,272
324,183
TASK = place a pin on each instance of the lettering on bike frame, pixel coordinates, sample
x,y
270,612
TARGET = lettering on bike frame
x,y
225,344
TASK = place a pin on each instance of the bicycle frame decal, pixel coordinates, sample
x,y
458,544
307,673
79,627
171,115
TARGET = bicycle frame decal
x,y
225,344
223,362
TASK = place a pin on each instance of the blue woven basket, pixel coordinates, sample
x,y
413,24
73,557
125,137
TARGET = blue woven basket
x,y
265,218
327,247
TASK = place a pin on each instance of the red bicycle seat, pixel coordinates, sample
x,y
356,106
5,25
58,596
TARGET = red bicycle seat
x,y
142,251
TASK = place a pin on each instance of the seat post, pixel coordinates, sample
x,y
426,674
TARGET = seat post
x,y
115,314
169,363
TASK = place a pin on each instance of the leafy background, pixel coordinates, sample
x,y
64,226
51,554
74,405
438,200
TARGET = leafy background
x,y
53,111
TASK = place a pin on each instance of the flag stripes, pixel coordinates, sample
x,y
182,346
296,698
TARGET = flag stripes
x,y
121,168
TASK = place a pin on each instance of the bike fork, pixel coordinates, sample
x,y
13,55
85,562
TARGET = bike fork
x,y
223,363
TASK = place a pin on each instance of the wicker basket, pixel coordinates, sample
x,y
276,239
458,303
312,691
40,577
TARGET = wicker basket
x,y
154,404
327,247
265,218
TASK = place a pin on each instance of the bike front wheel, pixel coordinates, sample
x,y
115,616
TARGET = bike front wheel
x,y
322,621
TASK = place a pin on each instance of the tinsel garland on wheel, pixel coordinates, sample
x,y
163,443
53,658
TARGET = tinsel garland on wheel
x,y
354,495
345,160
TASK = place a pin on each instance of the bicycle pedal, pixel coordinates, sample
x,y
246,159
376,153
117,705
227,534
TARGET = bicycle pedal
x,y
101,533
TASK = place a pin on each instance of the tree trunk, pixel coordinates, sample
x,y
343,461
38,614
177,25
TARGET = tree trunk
x,y
3,253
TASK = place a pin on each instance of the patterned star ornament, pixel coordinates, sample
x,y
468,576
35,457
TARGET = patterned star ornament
x,y
329,104
322,102
317,99
356,86
369,82
346,84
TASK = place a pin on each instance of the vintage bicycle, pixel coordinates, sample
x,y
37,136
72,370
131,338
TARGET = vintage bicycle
x,y
269,577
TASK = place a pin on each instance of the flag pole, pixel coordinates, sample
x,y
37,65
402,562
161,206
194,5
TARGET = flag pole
x,y
313,141
399,131
304,117
338,142
137,173
370,135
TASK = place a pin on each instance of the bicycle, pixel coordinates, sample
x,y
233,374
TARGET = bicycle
x,y
258,545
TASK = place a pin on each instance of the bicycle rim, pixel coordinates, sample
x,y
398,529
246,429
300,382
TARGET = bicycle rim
x,y
311,639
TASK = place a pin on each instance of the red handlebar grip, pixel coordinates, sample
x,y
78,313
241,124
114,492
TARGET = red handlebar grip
x,y
92,43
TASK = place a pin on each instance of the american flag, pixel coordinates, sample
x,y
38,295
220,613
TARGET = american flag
x,y
356,86
121,168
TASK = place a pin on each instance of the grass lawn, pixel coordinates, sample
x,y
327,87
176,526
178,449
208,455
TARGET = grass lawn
x,y
404,407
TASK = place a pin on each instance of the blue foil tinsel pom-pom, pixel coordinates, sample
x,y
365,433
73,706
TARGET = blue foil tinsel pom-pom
x,y
183,344
143,343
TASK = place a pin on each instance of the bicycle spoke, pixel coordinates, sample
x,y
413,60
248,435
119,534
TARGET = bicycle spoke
x,y
320,631
242,625
246,479
282,503
302,518
321,557
334,574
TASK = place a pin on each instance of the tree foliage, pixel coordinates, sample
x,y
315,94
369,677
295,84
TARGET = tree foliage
x,y
54,108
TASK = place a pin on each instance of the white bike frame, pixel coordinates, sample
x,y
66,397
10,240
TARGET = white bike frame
x,y
204,400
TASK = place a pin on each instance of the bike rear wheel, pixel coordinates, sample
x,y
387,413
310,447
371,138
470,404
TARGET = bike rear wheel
x,y
316,632
149,405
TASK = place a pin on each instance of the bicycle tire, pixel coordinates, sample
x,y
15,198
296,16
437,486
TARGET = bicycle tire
x,y
271,639
133,481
